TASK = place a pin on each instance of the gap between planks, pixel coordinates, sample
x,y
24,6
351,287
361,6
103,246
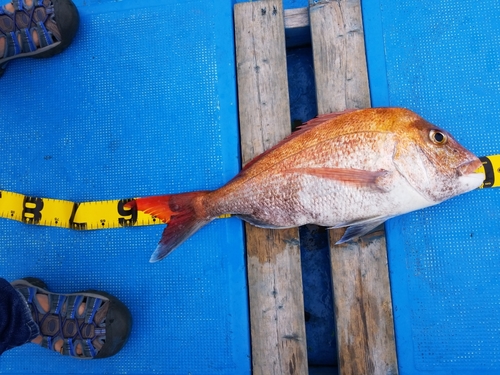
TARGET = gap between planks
x,y
360,276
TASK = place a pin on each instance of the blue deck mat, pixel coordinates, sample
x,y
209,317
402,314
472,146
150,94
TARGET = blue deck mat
x,y
142,103
442,59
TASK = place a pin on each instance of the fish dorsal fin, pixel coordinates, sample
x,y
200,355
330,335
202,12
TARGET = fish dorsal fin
x,y
305,127
322,118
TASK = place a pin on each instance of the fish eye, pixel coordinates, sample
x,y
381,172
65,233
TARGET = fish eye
x,y
438,137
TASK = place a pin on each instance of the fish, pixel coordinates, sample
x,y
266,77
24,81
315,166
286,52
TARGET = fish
x,y
353,169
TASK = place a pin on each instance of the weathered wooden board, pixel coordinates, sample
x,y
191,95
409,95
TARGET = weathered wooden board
x,y
363,308
274,270
341,74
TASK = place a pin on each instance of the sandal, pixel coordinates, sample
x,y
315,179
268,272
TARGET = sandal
x,y
54,21
99,332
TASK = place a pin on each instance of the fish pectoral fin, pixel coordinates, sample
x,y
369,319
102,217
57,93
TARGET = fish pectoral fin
x,y
380,180
360,228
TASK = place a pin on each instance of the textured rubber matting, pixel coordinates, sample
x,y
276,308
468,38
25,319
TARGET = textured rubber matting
x,y
142,103
441,59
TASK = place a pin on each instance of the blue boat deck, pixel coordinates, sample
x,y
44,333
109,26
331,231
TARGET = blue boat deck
x,y
144,103
441,59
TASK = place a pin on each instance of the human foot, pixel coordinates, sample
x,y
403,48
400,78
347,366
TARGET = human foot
x,y
84,325
43,304
36,28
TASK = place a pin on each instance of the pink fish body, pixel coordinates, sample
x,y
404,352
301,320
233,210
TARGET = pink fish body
x,y
355,169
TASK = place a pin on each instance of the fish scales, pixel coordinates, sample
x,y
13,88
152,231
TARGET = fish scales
x,y
281,198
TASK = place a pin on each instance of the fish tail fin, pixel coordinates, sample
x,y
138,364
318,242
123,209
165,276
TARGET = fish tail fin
x,y
179,212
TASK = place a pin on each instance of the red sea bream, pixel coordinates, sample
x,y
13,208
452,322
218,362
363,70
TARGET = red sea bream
x,y
353,169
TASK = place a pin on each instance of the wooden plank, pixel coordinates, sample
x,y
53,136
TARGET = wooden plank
x,y
363,307
273,257
341,74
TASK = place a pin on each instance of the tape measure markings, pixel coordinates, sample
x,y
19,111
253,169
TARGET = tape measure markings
x,y
65,214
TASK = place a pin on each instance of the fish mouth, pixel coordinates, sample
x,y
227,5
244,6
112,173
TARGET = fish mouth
x,y
469,167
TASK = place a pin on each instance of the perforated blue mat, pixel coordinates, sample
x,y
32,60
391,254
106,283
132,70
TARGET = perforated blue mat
x,y
142,103
442,59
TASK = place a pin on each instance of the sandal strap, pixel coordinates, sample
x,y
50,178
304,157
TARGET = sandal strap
x,y
88,347
27,40
75,302
45,25
19,4
8,30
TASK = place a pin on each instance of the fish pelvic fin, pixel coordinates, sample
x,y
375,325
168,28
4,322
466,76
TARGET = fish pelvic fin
x,y
182,213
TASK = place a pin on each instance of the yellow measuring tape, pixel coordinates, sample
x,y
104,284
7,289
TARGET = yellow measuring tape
x,y
66,214
491,169
113,214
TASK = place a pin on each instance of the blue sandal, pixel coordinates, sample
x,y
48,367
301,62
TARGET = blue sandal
x,y
54,21
99,332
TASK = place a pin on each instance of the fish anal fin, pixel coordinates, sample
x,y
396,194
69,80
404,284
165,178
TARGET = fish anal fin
x,y
251,220
355,231
376,179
